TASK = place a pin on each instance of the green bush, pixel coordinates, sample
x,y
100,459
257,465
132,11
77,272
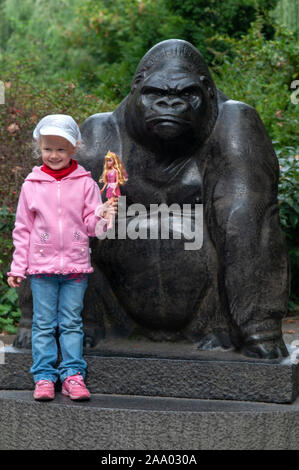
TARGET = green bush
x,y
10,313
95,42
9,310
231,18
116,36
288,198
260,73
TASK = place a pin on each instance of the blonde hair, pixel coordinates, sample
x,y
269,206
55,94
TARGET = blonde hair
x,y
37,153
118,165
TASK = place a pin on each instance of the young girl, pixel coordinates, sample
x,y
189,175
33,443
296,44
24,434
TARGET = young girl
x,y
55,218
113,176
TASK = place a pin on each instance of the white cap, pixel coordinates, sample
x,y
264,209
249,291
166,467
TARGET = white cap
x,y
58,124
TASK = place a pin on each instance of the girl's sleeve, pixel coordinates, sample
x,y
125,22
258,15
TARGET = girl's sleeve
x,y
21,236
92,205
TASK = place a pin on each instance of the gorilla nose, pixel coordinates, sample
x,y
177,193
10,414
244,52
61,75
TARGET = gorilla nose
x,y
173,103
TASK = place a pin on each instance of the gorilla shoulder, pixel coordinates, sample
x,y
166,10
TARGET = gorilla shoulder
x,y
239,124
237,110
244,138
96,126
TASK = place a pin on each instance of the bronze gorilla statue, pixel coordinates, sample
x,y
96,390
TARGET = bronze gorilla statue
x,y
183,141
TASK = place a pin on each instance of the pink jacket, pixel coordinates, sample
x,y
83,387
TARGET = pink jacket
x,y
53,222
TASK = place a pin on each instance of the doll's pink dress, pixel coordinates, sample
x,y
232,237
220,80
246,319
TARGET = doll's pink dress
x,y
111,176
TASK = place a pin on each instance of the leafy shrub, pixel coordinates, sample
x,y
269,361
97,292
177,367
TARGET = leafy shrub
x,y
231,18
116,36
260,73
10,313
9,310
289,213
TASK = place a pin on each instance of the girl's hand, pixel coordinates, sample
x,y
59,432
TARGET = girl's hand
x,y
14,281
109,207
111,211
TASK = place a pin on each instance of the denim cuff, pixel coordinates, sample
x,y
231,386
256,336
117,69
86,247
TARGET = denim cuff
x,y
52,378
70,372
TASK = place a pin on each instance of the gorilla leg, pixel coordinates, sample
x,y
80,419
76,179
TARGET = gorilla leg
x,y
103,316
209,327
256,280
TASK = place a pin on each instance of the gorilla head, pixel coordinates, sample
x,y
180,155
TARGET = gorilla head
x,y
173,100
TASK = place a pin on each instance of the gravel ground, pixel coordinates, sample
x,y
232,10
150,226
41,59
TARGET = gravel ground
x,y
290,329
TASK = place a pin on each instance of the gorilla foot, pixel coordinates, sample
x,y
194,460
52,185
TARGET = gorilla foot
x,y
215,340
92,335
267,349
23,338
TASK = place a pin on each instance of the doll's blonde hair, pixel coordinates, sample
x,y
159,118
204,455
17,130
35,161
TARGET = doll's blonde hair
x,y
118,165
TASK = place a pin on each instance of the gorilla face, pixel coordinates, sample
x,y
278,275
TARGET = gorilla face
x,y
168,108
170,100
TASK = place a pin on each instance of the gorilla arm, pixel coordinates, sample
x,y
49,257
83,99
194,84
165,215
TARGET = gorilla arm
x,y
99,133
248,236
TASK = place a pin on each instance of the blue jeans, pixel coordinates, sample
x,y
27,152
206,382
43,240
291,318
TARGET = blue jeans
x,y
57,303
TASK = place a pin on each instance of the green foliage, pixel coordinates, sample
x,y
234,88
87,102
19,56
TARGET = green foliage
x,y
225,17
35,31
10,313
288,198
117,35
287,13
260,72
7,221
97,43
9,309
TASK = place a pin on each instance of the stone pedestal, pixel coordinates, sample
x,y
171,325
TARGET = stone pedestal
x,y
154,400
112,422
203,375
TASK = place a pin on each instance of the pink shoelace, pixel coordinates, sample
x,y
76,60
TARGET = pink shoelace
x,y
76,380
41,383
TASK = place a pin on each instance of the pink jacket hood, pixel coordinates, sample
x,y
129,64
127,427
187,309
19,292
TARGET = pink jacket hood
x,y
54,221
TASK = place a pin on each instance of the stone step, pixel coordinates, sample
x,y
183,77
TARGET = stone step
x,y
143,423
217,376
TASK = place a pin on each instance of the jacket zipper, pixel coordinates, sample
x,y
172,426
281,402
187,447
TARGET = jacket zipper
x,y
60,227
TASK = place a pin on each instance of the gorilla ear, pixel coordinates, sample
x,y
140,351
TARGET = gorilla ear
x,y
136,81
207,84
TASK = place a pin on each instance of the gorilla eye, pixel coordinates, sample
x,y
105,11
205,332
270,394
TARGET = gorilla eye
x,y
152,91
190,91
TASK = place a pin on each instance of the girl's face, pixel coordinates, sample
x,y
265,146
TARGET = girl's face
x,y
110,162
56,151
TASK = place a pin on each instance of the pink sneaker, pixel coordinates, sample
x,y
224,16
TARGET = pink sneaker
x,y
75,388
44,390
